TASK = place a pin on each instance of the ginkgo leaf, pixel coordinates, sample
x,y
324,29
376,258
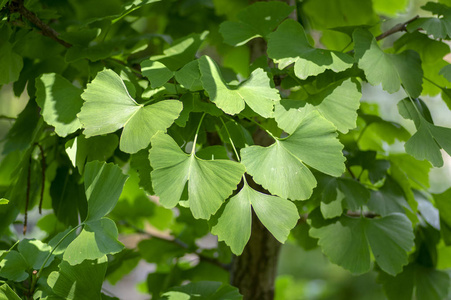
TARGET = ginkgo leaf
x,y
256,91
281,169
109,107
390,70
289,44
157,73
438,27
337,103
256,20
429,139
98,238
189,76
210,182
60,102
347,242
80,282
278,215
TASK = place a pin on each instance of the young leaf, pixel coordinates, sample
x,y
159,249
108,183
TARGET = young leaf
x,y
391,70
60,103
103,186
256,91
278,215
257,20
98,238
289,44
429,139
80,282
280,168
209,181
336,103
347,241
109,107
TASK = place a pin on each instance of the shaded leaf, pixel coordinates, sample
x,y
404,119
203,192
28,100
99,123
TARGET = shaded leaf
x,y
203,290
157,73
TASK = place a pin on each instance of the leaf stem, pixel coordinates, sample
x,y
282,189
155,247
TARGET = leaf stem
x,y
433,83
262,127
193,150
230,139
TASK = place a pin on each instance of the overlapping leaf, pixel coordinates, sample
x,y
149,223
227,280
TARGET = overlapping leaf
x,y
281,168
438,27
60,103
9,59
347,241
256,20
337,103
80,282
289,44
109,107
210,182
390,70
256,91
429,139
103,186
278,215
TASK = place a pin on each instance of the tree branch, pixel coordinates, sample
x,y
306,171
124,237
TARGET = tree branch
x,y
46,30
397,28
179,243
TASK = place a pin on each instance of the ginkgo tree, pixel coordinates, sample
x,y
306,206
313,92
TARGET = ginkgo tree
x,y
177,120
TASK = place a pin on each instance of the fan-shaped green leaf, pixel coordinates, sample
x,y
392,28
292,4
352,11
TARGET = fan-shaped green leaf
x,y
209,181
429,139
103,186
347,241
109,107
278,215
80,282
280,167
256,20
337,103
203,290
11,61
289,44
391,70
157,73
189,76
256,91
439,28
98,238
60,103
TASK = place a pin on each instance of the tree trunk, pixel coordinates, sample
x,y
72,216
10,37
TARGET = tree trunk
x,y
254,272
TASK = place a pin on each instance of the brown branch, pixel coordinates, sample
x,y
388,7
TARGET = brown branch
x,y
397,28
177,242
46,30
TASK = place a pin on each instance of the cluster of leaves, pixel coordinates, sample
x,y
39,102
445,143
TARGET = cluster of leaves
x,y
107,98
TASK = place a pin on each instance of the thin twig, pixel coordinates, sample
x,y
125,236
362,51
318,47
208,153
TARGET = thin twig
x,y
397,28
43,166
27,198
177,242
18,6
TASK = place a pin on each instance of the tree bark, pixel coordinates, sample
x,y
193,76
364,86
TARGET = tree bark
x,y
254,271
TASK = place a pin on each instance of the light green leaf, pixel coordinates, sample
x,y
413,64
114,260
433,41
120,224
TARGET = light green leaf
x,y
391,8
347,241
429,139
209,181
391,70
30,254
3,201
109,107
289,44
256,91
98,238
6,293
425,283
338,103
278,215
256,20
10,61
80,282
189,76
156,72
103,186
60,103
203,290
280,167
181,52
